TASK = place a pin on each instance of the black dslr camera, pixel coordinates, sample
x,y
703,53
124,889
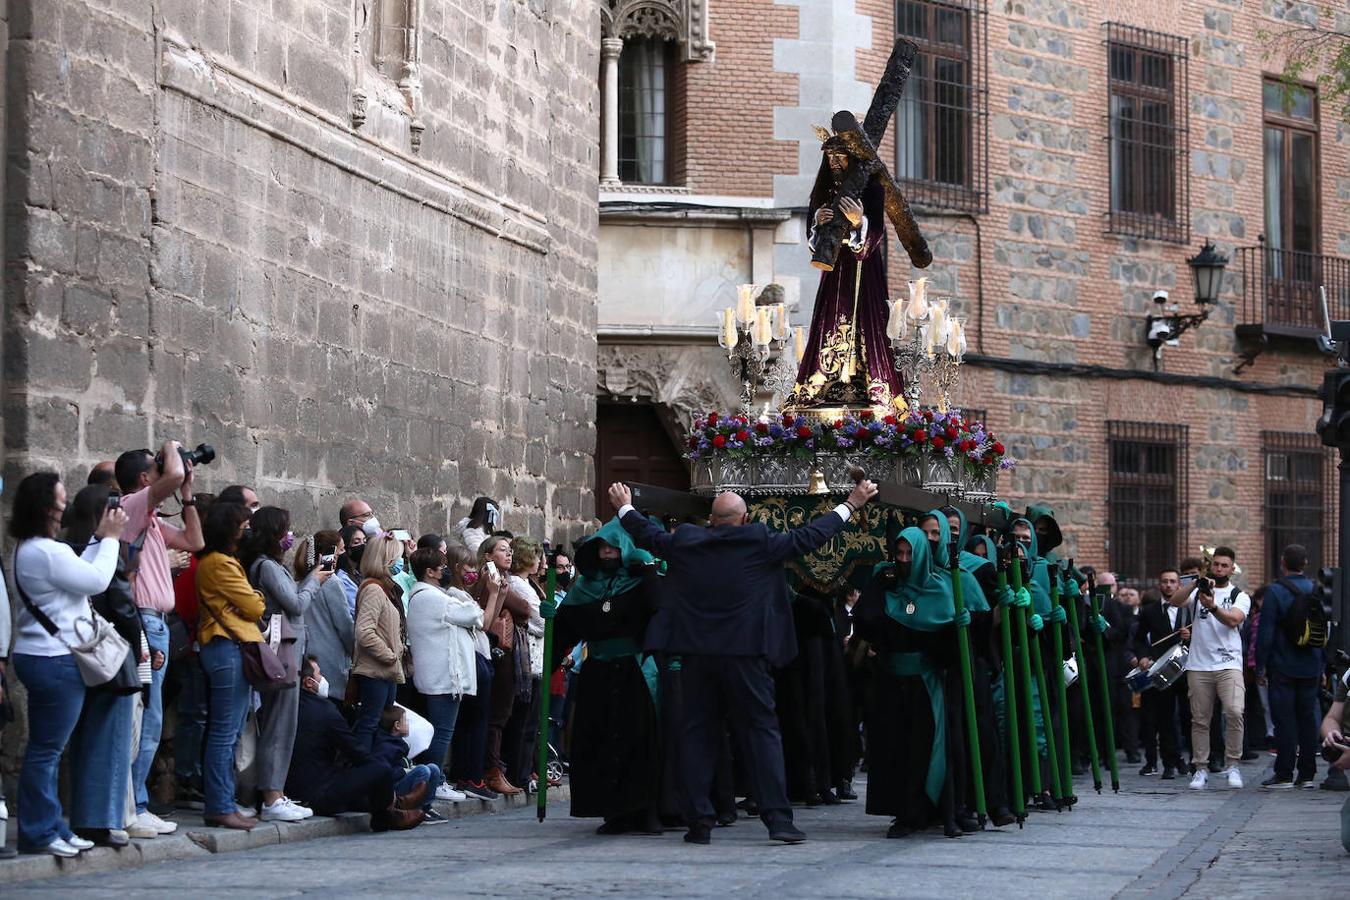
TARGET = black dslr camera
x,y
204,455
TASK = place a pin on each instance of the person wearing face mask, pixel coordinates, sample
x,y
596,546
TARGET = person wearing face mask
x,y
616,746
332,769
269,537
330,619
907,614
562,568
380,636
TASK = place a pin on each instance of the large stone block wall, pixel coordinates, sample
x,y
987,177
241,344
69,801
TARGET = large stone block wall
x,y
202,245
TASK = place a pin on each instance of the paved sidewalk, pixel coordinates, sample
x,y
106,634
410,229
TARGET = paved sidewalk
x,y
1155,839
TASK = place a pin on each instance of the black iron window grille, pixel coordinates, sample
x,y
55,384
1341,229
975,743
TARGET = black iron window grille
x,y
1148,505
941,126
1148,85
1298,505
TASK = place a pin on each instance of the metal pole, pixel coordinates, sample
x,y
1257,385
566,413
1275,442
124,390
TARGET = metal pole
x,y
1031,647
1076,634
1061,696
968,688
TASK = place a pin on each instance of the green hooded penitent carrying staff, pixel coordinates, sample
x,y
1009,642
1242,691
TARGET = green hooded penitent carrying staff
x,y
1047,726
967,678
1056,675
1023,684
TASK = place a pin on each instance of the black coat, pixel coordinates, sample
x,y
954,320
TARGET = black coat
x,y
324,747
725,593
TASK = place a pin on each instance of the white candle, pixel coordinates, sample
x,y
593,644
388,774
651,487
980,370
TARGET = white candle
x,y
918,299
745,308
799,343
729,328
895,325
780,322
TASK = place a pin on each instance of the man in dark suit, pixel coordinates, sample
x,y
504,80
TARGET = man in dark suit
x,y
726,611
1161,625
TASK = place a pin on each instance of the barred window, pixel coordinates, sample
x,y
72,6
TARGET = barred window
x,y
941,139
1297,502
1148,507
1150,183
644,71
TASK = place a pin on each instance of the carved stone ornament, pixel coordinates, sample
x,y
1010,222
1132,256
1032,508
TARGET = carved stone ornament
x,y
676,377
682,21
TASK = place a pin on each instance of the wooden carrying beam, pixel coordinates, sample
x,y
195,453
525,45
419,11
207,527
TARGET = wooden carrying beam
x,y
649,498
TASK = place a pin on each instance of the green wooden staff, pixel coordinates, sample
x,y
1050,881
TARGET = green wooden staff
x,y
1047,725
1105,689
1061,695
1010,711
1075,631
542,762
1024,683
968,686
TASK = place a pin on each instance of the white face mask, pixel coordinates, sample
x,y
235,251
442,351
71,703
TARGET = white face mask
x,y
322,690
372,527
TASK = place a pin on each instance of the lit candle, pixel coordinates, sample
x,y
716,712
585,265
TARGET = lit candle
x,y
780,322
918,299
799,343
762,332
729,329
745,308
937,334
955,337
895,325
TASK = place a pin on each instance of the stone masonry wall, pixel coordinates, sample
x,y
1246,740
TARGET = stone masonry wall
x,y
202,245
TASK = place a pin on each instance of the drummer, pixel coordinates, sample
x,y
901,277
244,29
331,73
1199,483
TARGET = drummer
x,y
1162,626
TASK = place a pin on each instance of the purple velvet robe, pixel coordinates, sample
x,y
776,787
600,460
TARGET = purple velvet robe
x,y
876,381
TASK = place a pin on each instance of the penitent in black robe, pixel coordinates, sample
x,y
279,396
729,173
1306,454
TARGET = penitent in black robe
x,y
616,742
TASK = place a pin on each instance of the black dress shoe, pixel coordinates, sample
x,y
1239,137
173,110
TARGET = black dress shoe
x,y
614,826
725,820
1250,755
104,837
1045,802
950,830
749,807
968,824
844,791
698,834
1149,769
786,832
813,800
1002,816
898,831
1169,773
827,798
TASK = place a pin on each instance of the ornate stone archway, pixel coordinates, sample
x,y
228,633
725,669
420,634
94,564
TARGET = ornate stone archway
x,y
684,381
682,21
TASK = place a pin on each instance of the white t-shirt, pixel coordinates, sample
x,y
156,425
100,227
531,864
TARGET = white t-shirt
x,y
1215,646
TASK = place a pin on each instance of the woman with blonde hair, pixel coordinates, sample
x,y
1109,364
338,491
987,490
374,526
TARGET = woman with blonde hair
x,y
380,636
526,555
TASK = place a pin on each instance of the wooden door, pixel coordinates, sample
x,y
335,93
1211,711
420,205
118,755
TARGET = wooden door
x,y
631,444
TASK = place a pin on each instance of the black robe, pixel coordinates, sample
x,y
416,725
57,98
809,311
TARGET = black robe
x,y
615,750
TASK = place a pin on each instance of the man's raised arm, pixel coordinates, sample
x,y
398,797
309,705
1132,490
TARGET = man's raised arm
x,y
816,533
645,533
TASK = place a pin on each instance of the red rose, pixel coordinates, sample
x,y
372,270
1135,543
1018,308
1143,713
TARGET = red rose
x,y
788,420
803,431
719,442
998,448
928,414
693,441
951,433
741,420
742,435
920,436
938,443
762,427
838,423
712,419
865,414
891,420
988,460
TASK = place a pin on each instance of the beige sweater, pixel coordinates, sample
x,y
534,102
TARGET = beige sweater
x,y
377,650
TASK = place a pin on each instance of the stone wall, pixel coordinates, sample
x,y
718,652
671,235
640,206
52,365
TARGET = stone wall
x,y
225,224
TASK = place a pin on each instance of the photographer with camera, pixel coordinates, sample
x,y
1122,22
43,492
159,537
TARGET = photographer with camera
x,y
1292,674
1336,742
147,480
1214,667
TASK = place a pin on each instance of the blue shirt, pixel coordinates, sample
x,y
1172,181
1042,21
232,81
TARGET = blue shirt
x,y
349,587
1275,653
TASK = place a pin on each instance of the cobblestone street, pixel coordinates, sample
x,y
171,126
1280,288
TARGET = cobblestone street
x,y
1155,840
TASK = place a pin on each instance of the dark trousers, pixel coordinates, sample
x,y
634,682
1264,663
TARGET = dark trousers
x,y
469,742
735,691
1160,727
368,787
1294,707
374,695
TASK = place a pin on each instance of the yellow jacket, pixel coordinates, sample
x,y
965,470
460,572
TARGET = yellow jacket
x,y
229,600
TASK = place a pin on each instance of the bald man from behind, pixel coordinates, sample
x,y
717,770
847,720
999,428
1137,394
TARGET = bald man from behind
x,y
725,611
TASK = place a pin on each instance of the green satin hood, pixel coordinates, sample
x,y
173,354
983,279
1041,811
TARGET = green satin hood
x,y
928,592
592,585
1045,516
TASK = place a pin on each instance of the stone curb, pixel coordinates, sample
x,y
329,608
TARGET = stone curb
x,y
194,840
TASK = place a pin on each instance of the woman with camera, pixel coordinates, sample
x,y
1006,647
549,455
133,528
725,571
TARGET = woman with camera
x,y
101,744
469,741
330,620
380,628
503,611
286,602
54,585
228,613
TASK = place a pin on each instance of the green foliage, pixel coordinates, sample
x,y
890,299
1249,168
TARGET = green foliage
x,y
1314,55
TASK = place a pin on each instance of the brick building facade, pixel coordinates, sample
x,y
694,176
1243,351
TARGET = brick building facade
x,y
1066,159
351,243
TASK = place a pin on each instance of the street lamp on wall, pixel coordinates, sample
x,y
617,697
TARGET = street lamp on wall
x,y
1168,325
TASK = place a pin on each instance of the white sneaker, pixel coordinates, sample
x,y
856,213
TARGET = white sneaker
x,y
304,809
80,843
1234,778
4,811
247,812
281,811
141,830
153,821
61,848
1199,779
446,792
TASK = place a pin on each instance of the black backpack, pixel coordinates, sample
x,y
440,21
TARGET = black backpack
x,y
1306,624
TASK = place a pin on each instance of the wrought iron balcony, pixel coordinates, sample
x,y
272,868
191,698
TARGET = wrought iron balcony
x,y
1281,292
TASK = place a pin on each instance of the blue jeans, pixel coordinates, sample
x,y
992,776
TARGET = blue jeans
x,y
100,757
374,695
418,774
1294,707
191,724
152,725
442,710
55,697
224,669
